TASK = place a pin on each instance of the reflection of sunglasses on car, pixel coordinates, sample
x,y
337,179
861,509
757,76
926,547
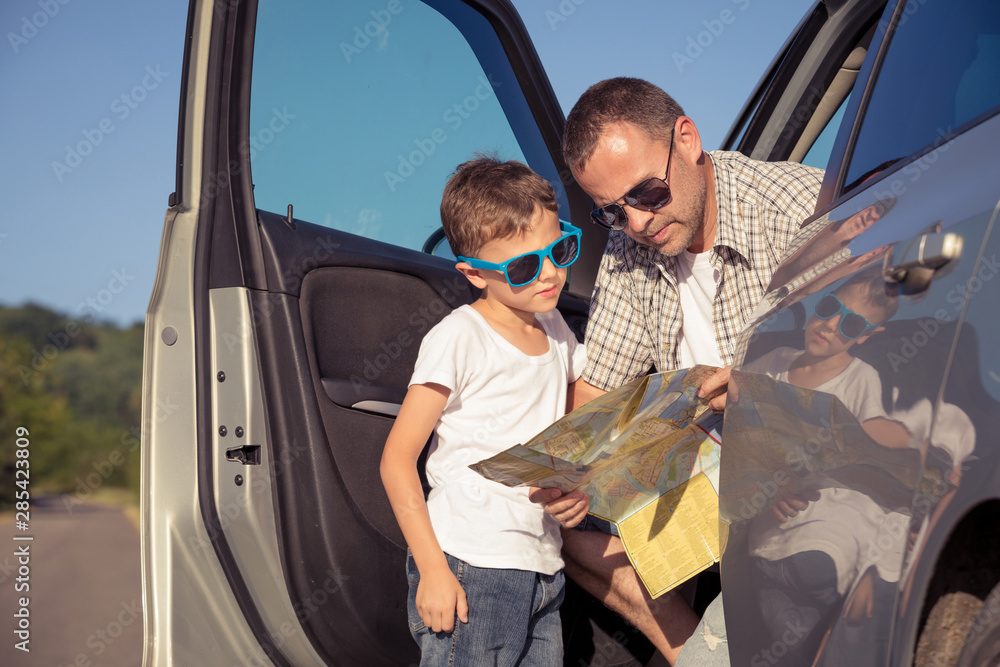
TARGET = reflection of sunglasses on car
x,y
650,195
851,325
525,268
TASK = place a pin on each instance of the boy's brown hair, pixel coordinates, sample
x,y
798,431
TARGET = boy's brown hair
x,y
879,293
487,198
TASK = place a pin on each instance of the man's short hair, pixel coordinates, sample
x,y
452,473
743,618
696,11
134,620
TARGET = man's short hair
x,y
622,99
487,198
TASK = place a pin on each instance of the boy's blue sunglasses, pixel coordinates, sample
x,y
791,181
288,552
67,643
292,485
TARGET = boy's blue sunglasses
x,y
525,268
851,324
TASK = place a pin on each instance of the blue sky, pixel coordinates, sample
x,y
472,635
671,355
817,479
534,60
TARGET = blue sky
x,y
90,119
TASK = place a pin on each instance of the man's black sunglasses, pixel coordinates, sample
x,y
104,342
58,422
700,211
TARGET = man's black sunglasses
x,y
650,195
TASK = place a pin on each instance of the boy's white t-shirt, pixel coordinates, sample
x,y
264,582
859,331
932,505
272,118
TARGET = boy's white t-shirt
x,y
500,397
697,283
845,524
857,386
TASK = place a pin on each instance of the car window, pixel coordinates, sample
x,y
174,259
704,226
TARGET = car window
x,y
819,154
360,111
942,70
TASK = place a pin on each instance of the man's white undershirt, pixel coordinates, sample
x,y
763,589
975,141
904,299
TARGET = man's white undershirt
x,y
696,284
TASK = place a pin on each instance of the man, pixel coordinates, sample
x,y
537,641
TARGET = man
x,y
696,237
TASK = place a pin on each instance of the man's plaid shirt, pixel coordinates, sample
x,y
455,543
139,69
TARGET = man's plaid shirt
x,y
635,313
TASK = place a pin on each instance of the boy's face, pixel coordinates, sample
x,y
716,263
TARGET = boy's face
x,y
823,336
539,296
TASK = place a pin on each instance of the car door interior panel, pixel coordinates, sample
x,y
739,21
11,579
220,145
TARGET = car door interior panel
x,y
339,330
330,338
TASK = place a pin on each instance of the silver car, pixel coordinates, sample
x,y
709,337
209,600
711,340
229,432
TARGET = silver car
x,y
302,260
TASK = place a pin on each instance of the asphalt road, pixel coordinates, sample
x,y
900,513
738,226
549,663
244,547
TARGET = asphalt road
x,y
85,589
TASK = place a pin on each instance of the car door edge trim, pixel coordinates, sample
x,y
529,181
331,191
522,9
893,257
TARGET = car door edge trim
x,y
204,376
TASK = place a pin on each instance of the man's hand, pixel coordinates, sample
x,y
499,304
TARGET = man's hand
x,y
568,509
440,597
720,380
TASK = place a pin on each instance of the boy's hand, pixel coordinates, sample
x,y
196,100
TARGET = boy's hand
x,y
718,381
440,597
861,605
568,509
790,504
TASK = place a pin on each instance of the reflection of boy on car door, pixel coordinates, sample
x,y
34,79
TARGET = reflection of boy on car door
x,y
809,554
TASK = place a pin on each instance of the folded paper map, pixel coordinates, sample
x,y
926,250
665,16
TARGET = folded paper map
x,y
647,456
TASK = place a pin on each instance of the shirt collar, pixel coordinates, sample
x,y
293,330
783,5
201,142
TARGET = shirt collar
x,y
729,233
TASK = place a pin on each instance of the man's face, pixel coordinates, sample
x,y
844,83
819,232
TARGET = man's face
x,y
857,224
626,156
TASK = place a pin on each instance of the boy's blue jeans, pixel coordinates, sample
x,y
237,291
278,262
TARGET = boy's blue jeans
x,y
513,619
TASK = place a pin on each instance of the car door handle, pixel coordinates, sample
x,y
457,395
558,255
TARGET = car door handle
x,y
370,397
380,407
914,265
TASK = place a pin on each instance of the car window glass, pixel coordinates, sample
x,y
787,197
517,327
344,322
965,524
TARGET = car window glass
x,y
360,111
819,154
941,71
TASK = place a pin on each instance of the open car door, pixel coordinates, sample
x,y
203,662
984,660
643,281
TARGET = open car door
x,y
301,263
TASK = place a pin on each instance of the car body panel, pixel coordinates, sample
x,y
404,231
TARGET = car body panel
x,y
929,361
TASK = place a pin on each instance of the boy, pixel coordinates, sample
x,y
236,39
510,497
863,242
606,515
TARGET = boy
x,y
490,375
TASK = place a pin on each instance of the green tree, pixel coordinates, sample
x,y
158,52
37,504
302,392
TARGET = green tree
x,y
76,387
